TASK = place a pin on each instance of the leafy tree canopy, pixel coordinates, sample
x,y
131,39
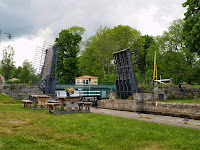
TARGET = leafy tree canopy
x,y
27,71
191,28
7,62
97,57
67,63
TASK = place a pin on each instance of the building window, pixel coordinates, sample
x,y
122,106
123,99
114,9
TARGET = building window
x,y
85,81
77,82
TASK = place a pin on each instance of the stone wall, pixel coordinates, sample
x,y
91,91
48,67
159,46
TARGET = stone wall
x,y
143,96
173,92
163,108
19,91
170,92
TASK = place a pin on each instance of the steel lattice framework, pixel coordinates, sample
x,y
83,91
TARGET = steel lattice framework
x,y
46,60
126,83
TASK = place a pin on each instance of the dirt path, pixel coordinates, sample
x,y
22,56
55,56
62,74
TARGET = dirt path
x,y
174,121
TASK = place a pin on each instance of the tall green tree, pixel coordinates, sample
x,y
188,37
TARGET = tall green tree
x,y
67,63
27,72
17,71
128,37
7,62
97,55
97,58
173,59
149,40
77,30
191,28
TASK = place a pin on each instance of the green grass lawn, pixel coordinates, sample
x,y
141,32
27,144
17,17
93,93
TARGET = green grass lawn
x,y
196,86
22,129
182,100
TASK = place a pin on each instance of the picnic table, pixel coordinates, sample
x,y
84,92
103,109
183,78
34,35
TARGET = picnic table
x,y
40,100
69,100
86,104
27,103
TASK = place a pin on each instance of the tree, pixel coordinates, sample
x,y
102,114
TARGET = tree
x,y
105,45
7,62
191,28
173,59
171,52
171,40
77,30
87,60
27,72
127,37
97,58
67,63
18,70
149,40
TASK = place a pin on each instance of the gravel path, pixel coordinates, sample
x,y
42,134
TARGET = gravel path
x,y
175,121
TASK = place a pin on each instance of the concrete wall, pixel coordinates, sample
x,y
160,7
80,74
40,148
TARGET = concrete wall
x,y
142,96
19,91
163,108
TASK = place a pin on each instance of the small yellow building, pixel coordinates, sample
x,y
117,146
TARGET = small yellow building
x,y
84,80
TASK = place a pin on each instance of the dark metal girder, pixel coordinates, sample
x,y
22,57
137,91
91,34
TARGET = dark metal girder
x,y
126,83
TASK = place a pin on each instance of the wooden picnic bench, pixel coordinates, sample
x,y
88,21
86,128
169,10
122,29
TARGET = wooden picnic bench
x,y
71,106
68,100
53,106
27,103
40,100
86,104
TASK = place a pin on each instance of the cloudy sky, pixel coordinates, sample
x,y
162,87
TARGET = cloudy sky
x,y
31,22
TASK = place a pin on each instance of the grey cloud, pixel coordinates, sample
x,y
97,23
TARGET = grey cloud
x,y
28,17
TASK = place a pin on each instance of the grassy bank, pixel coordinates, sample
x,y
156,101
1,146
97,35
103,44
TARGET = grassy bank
x,y
6,99
180,100
22,128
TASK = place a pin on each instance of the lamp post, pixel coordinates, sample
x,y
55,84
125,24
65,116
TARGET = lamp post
x,y
160,77
89,85
9,36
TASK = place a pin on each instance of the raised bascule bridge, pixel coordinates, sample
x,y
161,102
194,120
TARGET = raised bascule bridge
x,y
126,83
45,63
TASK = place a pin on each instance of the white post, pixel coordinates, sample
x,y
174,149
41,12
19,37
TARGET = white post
x,y
89,86
160,79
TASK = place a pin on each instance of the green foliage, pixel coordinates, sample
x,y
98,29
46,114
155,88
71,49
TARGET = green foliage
x,y
191,28
188,100
67,63
109,78
173,59
97,57
6,99
7,62
196,86
149,40
17,71
77,30
70,90
198,96
27,71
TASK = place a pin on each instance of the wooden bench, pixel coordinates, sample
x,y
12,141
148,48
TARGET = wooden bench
x,y
27,103
53,106
70,106
87,106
